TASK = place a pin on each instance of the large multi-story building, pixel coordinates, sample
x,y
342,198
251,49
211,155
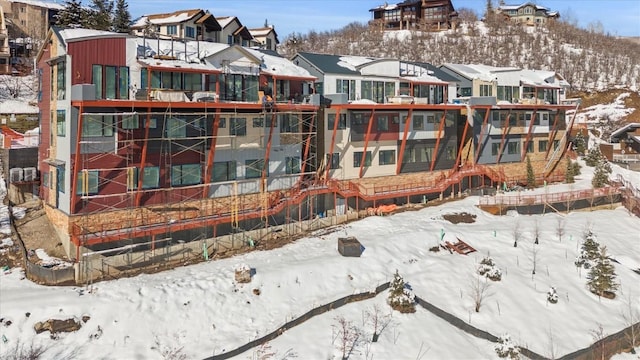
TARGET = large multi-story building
x,y
430,15
30,18
527,13
145,140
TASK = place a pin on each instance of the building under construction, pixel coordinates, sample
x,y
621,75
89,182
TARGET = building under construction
x,y
149,143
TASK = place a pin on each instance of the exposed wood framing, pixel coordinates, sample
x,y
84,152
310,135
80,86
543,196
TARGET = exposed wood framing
x,y
143,159
333,143
366,143
212,153
484,124
552,135
76,163
503,141
462,142
435,152
529,132
404,141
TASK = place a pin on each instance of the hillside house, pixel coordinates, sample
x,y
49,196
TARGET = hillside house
x,y
265,38
428,15
233,32
625,144
527,13
194,24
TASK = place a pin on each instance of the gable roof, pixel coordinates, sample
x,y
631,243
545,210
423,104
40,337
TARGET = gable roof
x,y
328,64
628,127
175,17
263,32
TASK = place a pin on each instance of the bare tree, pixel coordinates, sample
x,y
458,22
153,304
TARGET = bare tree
x,y
536,232
378,321
169,350
264,352
348,336
478,291
631,317
516,232
551,343
598,335
534,258
560,229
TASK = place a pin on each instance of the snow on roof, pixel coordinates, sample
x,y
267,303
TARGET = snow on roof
x,y
168,18
83,34
225,20
261,31
42,4
17,107
352,62
624,129
516,7
473,71
279,66
539,78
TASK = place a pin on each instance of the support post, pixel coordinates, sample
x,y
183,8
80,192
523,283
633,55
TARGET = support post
x,y
143,158
404,141
366,143
480,136
76,163
212,153
435,152
505,130
462,142
333,143
529,132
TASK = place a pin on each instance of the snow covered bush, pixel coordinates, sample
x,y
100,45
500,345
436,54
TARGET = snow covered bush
x,y
552,295
506,348
589,251
489,269
401,297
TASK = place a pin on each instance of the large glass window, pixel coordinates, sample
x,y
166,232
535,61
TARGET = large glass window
x,y
130,122
333,160
224,171
96,78
513,147
253,169
292,164
61,80
87,182
112,82
495,148
342,124
189,32
357,159
289,123
176,128
238,126
387,157
61,123
418,122
172,30
542,145
110,85
347,87
150,180
383,123
486,90
187,174
97,125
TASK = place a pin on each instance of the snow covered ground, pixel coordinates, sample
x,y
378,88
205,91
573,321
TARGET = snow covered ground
x,y
199,310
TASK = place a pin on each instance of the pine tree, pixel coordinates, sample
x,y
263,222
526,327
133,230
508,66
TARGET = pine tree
x,y
602,276
601,174
593,156
531,176
580,143
588,251
121,17
401,298
101,15
72,16
570,175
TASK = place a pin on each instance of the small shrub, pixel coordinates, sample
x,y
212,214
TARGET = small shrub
x,y
401,298
434,248
506,348
552,295
489,269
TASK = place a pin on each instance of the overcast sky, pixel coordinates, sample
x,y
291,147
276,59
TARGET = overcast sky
x,y
618,17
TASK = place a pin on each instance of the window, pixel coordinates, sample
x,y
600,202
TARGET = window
x,y
187,174
223,171
189,32
61,123
45,179
258,122
222,123
466,91
269,44
150,180
387,157
112,82
130,122
383,123
238,126
450,152
292,165
97,125
176,128
486,90
512,147
333,160
172,30
253,169
418,122
542,145
289,123
61,80
229,40
495,149
530,147
342,124
347,87
357,159
87,182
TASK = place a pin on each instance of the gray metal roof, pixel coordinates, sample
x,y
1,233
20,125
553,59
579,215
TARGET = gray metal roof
x,y
327,64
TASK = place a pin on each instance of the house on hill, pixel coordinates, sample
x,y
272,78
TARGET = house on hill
x,y
624,146
233,32
428,15
527,13
265,37
194,24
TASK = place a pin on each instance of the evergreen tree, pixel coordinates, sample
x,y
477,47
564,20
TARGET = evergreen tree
x,y
72,16
588,251
593,156
531,175
580,143
101,15
401,298
121,17
601,174
602,276
570,175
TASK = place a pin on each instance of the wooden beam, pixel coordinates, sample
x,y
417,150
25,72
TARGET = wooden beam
x,y
462,141
528,138
552,135
505,130
404,141
366,142
265,165
435,152
143,158
307,146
